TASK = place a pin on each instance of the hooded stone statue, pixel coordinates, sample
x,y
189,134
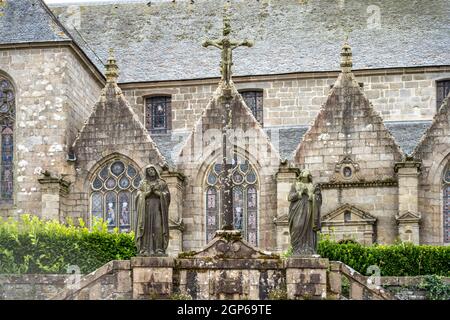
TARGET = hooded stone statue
x,y
152,203
304,214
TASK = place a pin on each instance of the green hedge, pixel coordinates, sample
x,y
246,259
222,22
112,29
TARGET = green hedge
x,y
393,260
36,246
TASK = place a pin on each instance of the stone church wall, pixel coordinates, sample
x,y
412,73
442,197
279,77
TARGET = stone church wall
x,y
397,94
434,151
199,153
53,94
379,202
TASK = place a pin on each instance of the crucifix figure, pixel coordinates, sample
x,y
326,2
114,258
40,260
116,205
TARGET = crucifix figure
x,y
227,46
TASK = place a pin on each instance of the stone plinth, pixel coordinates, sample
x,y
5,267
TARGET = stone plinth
x,y
174,182
306,277
152,277
53,190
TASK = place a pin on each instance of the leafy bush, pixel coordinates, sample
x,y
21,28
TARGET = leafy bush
x,y
436,288
278,294
32,245
403,259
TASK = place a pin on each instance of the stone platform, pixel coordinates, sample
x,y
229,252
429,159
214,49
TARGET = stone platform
x,y
228,268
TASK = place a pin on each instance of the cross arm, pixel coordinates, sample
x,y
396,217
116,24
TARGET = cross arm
x,y
245,43
208,43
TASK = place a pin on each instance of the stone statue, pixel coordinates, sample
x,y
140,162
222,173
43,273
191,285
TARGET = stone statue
x,y
304,214
227,46
152,203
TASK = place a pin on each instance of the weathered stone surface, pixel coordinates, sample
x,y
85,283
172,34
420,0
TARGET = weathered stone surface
x,y
158,262
45,119
307,278
433,152
112,130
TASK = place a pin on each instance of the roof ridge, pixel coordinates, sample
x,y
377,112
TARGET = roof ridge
x,y
55,19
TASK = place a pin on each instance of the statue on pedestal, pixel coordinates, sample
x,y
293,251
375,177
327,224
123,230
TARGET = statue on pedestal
x,y
304,214
152,204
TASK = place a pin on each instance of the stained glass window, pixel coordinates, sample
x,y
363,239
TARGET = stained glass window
x,y
212,212
443,89
245,200
158,114
7,118
113,193
446,206
254,100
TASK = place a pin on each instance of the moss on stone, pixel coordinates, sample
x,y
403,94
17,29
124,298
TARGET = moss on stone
x,y
186,255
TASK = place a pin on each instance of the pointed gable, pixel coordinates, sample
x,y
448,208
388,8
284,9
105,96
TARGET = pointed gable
x,y
436,138
408,217
113,127
348,127
355,216
205,139
23,21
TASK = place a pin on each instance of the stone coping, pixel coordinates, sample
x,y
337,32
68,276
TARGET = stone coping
x,y
37,279
155,262
211,263
108,268
406,281
307,263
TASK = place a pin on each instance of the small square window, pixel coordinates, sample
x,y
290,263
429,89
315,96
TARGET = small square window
x,y
158,114
254,100
442,91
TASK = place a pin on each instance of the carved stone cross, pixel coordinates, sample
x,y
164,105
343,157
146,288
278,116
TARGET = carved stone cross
x,y
227,46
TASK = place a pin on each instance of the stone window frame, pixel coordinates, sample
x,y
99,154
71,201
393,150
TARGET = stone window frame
x,y
257,185
444,85
168,114
259,116
11,203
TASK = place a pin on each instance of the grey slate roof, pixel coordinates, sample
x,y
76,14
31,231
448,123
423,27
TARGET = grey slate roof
x,y
170,144
407,134
23,21
288,139
163,41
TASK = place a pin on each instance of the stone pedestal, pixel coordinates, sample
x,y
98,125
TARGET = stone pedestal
x,y
334,281
54,189
152,277
174,182
306,278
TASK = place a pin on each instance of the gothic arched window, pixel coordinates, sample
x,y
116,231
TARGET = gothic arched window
x,y
113,190
446,205
245,200
7,118
254,100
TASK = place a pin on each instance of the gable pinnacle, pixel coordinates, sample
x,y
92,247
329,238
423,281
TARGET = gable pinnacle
x,y
346,58
112,70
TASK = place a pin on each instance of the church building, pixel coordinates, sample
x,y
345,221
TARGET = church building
x,y
356,93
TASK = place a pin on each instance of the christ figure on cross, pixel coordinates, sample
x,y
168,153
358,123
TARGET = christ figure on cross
x,y
227,46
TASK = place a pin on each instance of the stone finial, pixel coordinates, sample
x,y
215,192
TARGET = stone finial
x,y
112,70
346,57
